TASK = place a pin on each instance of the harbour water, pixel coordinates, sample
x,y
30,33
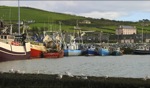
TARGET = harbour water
x,y
131,66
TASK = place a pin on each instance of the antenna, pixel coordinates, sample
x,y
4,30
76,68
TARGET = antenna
x,y
18,17
10,15
60,26
10,21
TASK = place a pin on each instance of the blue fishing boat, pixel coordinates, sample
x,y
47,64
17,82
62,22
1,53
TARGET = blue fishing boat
x,y
72,49
103,51
89,51
69,52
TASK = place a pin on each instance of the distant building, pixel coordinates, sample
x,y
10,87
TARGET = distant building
x,y
31,21
21,22
86,22
133,38
126,30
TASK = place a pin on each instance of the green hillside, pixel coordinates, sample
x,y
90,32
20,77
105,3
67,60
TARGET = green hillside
x,y
27,13
50,20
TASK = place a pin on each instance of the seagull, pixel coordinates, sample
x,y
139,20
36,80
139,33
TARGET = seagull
x,y
38,72
11,70
78,77
106,76
82,74
146,77
69,74
59,76
17,71
23,72
84,77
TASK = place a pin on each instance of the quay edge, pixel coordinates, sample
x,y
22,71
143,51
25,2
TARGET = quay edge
x,y
16,80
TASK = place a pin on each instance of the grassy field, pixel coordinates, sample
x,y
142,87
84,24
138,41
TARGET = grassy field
x,y
26,13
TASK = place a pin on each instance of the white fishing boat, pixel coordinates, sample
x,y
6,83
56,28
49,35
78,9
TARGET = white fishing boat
x,y
13,46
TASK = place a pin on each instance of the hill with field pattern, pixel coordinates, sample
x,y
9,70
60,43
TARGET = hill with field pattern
x,y
41,19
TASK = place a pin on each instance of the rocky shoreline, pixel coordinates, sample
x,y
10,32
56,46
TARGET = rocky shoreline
x,y
18,80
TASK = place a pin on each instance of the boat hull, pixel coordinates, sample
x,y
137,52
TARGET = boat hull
x,y
69,52
103,52
116,53
89,52
10,52
36,53
36,50
141,52
58,54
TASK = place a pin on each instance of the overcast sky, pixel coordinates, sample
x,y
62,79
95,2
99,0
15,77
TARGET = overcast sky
x,y
113,10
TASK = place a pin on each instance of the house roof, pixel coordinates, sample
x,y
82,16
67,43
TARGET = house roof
x,y
127,27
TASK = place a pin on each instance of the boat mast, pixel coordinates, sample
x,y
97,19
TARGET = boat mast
x,y
10,21
60,26
10,15
142,34
18,17
142,31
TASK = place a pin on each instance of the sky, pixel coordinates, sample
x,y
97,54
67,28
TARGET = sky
x,y
113,10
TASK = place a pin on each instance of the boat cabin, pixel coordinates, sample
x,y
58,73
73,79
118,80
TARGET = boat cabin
x,y
143,47
13,39
6,38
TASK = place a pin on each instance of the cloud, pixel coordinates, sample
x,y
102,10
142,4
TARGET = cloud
x,y
9,3
106,15
95,9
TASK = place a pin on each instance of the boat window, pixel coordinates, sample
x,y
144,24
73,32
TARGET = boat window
x,y
1,37
18,38
147,47
141,47
10,37
5,37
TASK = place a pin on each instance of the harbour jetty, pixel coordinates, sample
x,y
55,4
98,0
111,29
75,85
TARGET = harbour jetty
x,y
22,80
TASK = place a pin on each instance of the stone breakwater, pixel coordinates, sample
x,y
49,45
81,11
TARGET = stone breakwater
x,y
17,80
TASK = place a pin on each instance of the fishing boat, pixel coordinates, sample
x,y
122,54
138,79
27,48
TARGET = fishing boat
x,y
37,49
115,51
103,51
13,47
72,48
53,47
54,54
142,49
72,51
47,46
89,50
47,50
37,46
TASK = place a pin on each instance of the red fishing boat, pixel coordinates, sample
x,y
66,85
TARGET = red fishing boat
x,y
40,51
53,54
53,50
37,49
50,48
